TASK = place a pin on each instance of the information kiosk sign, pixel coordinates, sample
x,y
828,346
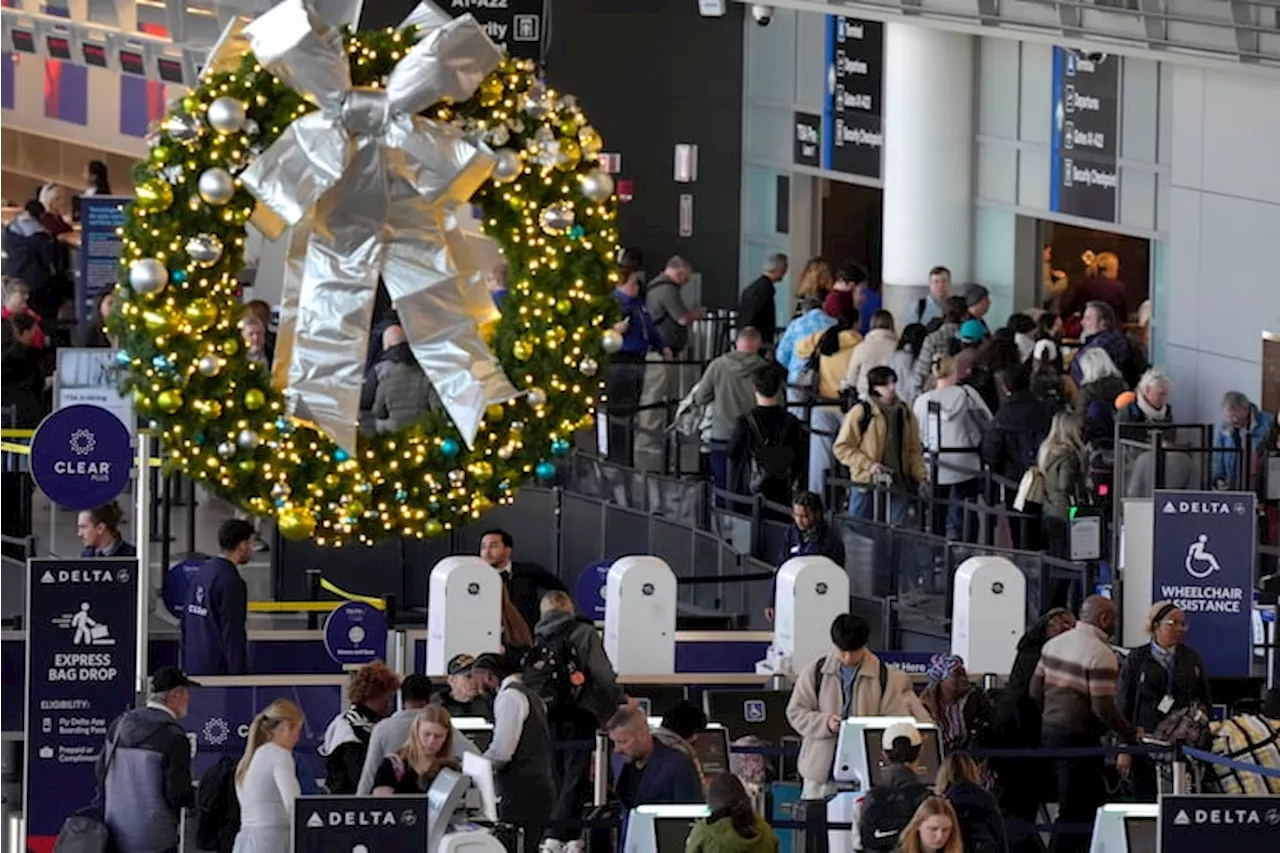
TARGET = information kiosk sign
x,y
349,823
82,628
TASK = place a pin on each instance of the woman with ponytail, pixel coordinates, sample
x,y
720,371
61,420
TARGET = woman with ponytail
x,y
267,780
733,826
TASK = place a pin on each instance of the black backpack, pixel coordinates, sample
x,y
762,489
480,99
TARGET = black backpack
x,y
886,811
552,669
769,462
217,809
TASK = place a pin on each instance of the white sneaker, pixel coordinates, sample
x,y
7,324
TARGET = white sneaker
x,y
552,845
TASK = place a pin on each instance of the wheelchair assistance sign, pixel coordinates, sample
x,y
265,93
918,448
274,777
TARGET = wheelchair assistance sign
x,y
1203,562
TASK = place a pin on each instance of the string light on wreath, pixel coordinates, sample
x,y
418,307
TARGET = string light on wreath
x,y
177,315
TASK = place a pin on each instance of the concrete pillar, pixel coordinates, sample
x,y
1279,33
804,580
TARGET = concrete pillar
x,y
928,160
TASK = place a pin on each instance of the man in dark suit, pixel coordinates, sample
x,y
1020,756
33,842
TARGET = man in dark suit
x,y
526,582
645,770
99,531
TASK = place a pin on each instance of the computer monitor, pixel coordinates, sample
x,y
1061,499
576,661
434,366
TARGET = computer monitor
x,y
661,829
1140,834
926,767
750,713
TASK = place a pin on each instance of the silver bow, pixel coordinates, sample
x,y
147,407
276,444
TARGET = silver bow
x,y
370,189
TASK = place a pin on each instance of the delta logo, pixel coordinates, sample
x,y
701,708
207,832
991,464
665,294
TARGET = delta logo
x,y
361,818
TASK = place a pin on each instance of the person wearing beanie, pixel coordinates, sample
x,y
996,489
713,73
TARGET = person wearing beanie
x,y
978,300
850,681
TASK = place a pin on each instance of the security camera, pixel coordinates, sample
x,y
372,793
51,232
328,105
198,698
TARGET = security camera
x,y
762,13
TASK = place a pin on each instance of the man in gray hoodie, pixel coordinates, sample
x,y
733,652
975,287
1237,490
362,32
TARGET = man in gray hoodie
x,y
728,387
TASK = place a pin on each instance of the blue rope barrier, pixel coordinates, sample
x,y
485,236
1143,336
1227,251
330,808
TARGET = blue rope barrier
x,y
1238,766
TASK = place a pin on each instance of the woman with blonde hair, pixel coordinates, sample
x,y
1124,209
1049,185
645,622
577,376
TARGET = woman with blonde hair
x,y
1061,463
413,767
960,780
815,280
267,780
933,829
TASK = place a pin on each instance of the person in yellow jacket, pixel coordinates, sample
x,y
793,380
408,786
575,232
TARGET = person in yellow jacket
x,y
879,442
832,349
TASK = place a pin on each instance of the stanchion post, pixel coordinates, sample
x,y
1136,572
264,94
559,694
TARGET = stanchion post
x,y
1179,775
600,783
142,511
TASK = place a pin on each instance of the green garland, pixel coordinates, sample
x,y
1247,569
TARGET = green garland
x,y
223,423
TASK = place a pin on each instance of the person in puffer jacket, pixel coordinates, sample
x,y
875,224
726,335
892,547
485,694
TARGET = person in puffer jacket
x,y
733,826
963,418
404,393
346,741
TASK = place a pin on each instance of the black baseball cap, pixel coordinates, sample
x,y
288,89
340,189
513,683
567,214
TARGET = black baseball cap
x,y
168,678
490,663
461,664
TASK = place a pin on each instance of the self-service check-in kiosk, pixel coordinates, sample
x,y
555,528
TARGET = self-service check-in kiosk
x,y
640,617
456,799
661,829
1126,828
811,592
860,765
464,612
989,615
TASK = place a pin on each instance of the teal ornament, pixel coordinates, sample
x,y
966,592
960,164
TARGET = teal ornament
x,y
341,455
433,505
402,495
450,447
504,486
545,470
178,276
560,447
161,362
198,438
577,232
123,359
284,425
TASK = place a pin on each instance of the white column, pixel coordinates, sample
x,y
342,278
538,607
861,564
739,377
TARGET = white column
x,y
928,159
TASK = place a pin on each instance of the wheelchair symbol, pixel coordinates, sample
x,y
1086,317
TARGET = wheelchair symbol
x,y
753,711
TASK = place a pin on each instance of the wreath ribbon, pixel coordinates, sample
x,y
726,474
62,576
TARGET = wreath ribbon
x,y
371,191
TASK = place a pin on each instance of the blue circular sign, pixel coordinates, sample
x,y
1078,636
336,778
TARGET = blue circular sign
x,y
589,593
356,634
81,457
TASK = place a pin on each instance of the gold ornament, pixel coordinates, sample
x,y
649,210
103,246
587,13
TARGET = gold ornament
x,y
564,306
211,409
331,480
247,466
570,155
556,336
494,412
141,401
231,346
156,321
154,195
254,399
169,400
590,141
490,91
201,313
522,350
433,527
481,470
569,127
296,523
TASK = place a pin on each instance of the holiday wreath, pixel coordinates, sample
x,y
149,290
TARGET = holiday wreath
x,y
418,124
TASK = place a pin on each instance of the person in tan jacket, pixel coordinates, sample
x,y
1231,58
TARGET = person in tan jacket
x,y
879,442
876,350
849,682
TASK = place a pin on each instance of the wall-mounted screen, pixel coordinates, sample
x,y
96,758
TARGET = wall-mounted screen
x,y
59,47
131,62
24,41
170,69
94,54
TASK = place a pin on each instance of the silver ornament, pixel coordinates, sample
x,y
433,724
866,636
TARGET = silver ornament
x,y
611,341
209,365
537,397
147,275
518,426
597,185
535,102
251,127
280,491
216,186
226,450
507,166
181,127
499,135
248,439
226,115
457,476
205,249
556,218
588,366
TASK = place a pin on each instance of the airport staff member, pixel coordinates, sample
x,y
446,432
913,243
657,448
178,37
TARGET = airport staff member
x,y
99,531
214,639
526,582
520,750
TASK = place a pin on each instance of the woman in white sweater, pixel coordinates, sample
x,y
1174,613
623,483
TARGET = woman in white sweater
x,y
267,780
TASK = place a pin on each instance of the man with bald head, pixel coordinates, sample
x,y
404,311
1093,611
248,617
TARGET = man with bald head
x,y
403,393
1075,685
